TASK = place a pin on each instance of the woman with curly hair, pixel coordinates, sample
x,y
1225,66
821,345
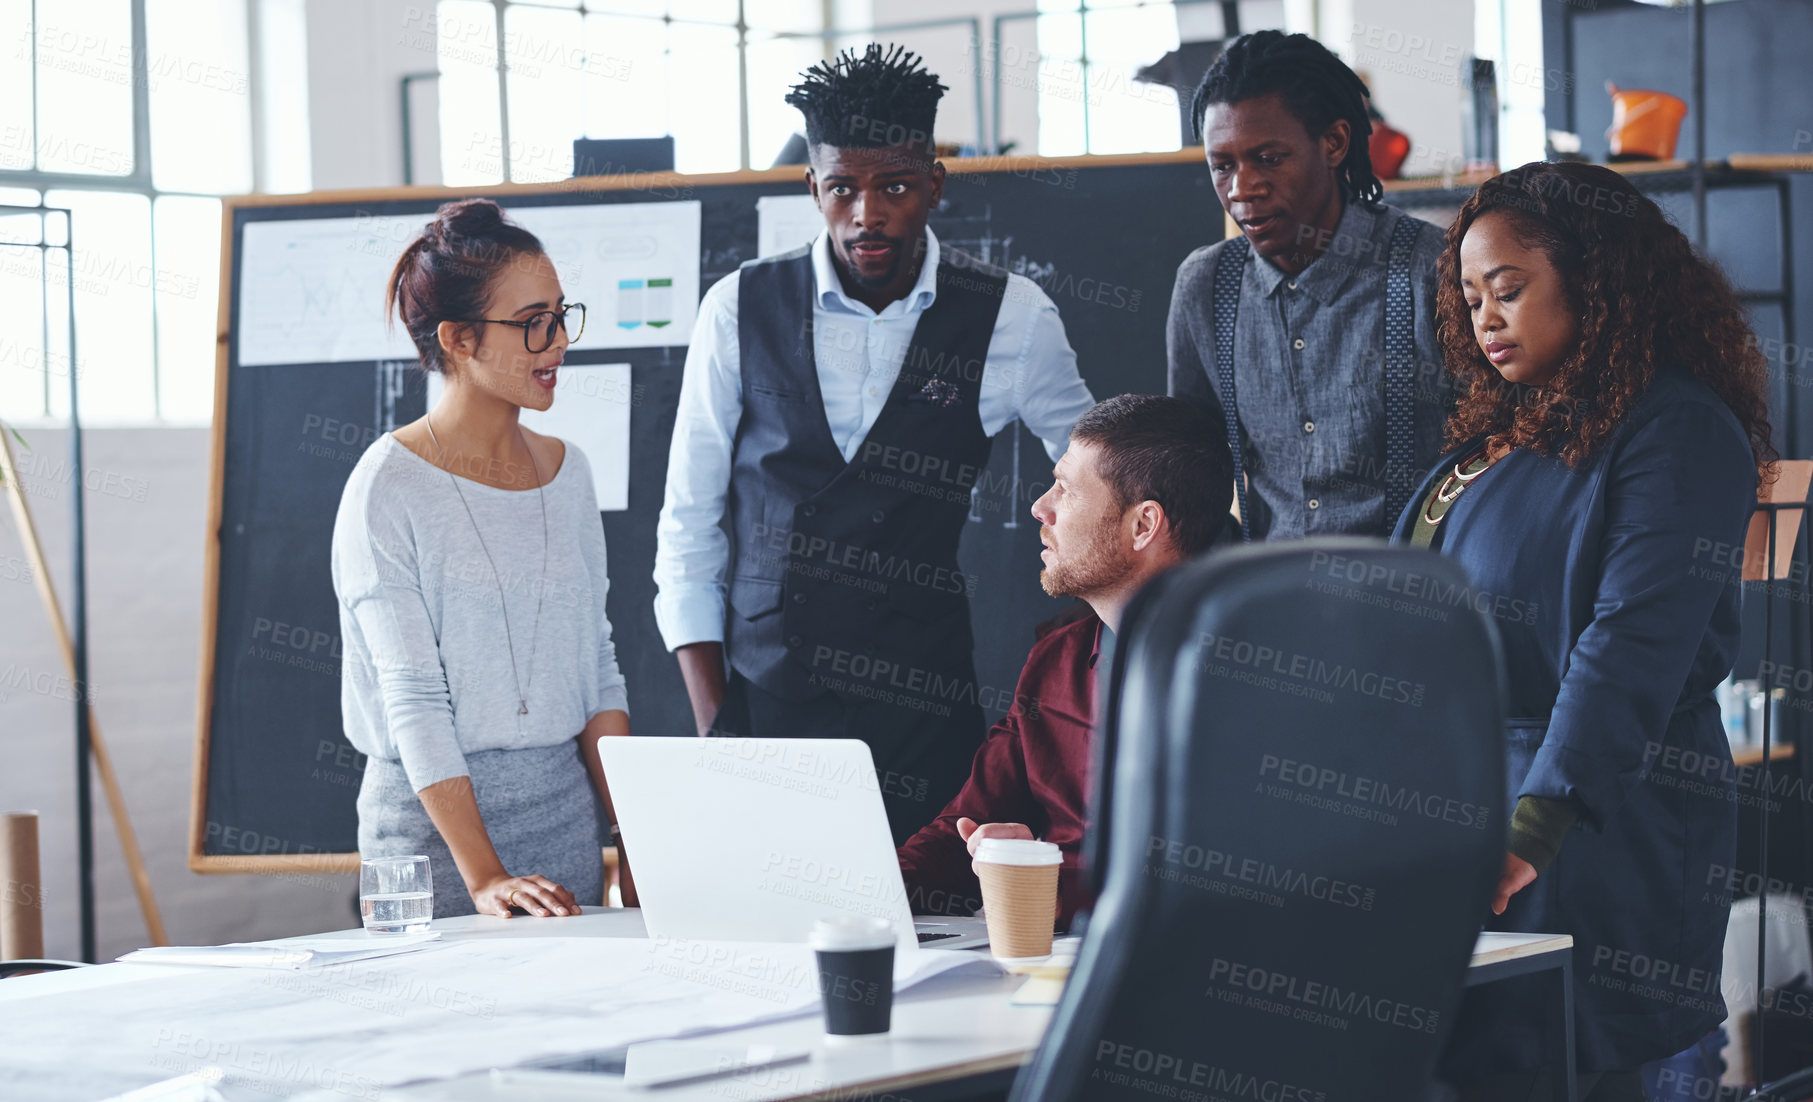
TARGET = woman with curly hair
x,y
1603,462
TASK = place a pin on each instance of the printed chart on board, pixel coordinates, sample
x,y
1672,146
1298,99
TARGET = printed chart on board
x,y
634,265
311,290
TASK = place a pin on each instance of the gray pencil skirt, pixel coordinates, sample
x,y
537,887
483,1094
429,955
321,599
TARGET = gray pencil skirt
x,y
539,807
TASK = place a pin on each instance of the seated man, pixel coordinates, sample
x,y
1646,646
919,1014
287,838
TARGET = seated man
x,y
1146,484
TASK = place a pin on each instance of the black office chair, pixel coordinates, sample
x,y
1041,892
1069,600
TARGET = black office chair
x,y
20,967
1303,824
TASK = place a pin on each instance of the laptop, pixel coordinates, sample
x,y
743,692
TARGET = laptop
x,y
756,839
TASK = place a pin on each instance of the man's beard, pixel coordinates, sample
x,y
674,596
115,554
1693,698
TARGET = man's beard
x,y
1096,567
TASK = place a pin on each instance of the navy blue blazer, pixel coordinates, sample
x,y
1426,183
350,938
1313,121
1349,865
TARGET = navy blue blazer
x,y
1615,591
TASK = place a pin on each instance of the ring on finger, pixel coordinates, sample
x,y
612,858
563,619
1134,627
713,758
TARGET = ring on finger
x,y
511,898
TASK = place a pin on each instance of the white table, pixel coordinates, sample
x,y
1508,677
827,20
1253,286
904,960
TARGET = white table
x,y
952,1029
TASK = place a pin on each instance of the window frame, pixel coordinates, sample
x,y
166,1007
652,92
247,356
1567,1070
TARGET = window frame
x,y
136,182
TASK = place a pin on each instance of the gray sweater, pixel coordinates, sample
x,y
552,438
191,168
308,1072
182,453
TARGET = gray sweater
x,y
427,673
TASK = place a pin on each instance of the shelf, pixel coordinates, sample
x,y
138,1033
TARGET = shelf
x,y
1753,755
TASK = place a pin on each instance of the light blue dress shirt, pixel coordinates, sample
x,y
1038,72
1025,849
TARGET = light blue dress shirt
x,y
1030,374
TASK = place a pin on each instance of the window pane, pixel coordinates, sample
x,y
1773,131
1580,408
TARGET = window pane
x,y
774,68
704,11
797,16
188,303
655,8
1061,86
282,129
113,282
547,56
201,116
85,87
22,381
1126,116
627,96
15,84
702,87
471,121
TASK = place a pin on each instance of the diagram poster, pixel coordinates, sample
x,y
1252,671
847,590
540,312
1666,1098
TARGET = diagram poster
x,y
634,265
785,222
311,290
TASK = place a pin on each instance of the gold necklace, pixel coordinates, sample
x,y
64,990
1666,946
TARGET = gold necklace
x,y
1456,481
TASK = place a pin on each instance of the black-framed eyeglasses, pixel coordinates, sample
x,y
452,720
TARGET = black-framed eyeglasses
x,y
538,331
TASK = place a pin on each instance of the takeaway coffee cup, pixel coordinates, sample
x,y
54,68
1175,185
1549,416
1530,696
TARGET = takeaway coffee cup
x,y
1019,894
855,973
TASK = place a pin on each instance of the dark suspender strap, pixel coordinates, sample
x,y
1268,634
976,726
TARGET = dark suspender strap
x,y
1230,263
1400,365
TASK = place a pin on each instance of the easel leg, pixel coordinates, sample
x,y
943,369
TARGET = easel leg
x,y
103,762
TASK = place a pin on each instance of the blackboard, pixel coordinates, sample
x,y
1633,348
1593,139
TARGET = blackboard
x,y
275,780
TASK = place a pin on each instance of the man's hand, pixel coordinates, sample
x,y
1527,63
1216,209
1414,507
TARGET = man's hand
x,y
1517,875
702,668
973,832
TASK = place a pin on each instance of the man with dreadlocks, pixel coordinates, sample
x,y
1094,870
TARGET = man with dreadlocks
x,y
1310,335
837,406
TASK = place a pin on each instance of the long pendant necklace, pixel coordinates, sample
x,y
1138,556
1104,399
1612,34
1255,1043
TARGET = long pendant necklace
x,y
522,688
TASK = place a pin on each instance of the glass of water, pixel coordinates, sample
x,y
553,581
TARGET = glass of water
x,y
396,894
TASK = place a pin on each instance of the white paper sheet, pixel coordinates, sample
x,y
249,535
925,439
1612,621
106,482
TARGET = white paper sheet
x,y
634,265
294,953
355,1028
591,409
312,290
785,222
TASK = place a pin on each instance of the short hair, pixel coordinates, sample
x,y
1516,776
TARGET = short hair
x,y
1316,86
881,98
447,272
1167,450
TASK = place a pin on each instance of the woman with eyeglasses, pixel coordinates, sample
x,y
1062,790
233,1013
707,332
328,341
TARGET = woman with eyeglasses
x,y
468,558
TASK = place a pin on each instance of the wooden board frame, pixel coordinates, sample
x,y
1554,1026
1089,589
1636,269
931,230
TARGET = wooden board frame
x,y
295,864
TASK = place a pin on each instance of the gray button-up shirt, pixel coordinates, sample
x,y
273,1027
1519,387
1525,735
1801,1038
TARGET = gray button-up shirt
x,y
1309,368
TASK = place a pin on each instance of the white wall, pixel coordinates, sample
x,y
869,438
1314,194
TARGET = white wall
x,y
359,51
146,511
338,82
1410,54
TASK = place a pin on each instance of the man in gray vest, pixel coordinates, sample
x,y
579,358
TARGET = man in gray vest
x,y
1310,336
837,407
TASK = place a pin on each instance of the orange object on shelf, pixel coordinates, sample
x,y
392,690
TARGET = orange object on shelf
x,y
1388,149
1644,124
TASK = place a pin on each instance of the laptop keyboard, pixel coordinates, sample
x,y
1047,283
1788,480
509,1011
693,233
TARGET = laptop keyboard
x,y
927,935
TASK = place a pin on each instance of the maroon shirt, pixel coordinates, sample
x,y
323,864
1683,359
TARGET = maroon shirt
x,y
1032,768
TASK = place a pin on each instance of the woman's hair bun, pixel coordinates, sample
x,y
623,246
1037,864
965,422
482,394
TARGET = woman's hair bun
x,y
447,272
467,218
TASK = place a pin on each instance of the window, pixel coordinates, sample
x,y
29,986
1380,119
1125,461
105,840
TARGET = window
x,y
1510,33
1088,53
626,69
134,115
714,74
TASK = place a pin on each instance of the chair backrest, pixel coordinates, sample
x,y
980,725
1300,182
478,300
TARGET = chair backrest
x,y
1304,827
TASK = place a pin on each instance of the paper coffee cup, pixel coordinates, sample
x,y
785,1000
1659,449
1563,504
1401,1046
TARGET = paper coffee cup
x,y
855,973
1019,894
